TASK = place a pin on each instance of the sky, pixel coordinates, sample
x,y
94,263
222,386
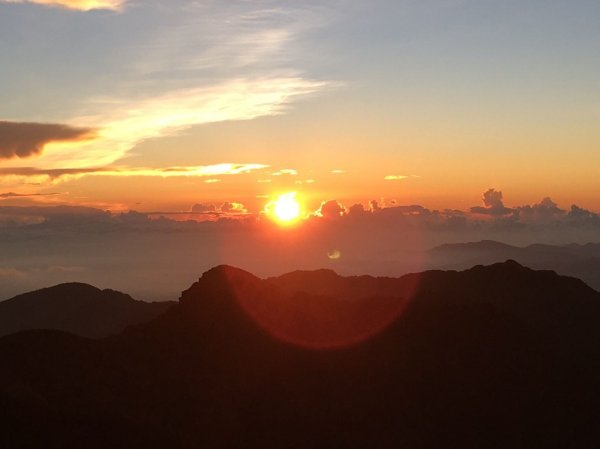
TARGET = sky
x,y
143,141
158,105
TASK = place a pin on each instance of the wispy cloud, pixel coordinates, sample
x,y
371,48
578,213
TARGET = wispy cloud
x,y
285,171
205,62
44,175
125,124
396,177
82,5
25,195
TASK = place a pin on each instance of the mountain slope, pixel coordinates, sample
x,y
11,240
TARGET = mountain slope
x,y
78,308
470,360
581,261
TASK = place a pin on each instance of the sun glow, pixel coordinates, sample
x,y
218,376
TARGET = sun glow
x,y
285,209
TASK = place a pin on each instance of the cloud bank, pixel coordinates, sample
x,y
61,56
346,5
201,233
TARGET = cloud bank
x,y
125,250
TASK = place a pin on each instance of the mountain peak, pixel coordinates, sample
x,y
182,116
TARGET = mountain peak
x,y
75,307
218,282
225,270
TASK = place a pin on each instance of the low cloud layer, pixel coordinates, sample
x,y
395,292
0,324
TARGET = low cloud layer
x,y
23,140
125,250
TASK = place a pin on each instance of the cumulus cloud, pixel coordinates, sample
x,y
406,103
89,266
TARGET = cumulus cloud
x,y
374,205
200,208
357,210
82,5
544,212
233,208
18,139
493,204
583,216
331,210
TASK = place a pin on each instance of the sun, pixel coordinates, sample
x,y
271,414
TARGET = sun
x,y
285,209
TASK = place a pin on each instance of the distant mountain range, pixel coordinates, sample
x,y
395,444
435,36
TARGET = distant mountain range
x,y
581,261
497,356
78,308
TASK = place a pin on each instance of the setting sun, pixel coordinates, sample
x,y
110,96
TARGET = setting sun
x,y
285,209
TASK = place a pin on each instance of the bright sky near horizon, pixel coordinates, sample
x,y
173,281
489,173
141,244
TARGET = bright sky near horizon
x,y
156,105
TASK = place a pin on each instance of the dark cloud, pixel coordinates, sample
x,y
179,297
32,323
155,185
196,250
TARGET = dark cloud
x,y
331,210
582,216
544,212
374,205
357,210
494,204
200,208
28,139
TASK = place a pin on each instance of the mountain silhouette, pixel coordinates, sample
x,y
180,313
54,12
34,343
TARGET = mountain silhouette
x,y
492,357
78,308
580,261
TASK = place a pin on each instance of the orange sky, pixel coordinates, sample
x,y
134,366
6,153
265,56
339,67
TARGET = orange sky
x,y
430,103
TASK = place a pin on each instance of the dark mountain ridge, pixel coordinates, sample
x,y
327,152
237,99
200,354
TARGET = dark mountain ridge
x,y
78,308
580,261
468,361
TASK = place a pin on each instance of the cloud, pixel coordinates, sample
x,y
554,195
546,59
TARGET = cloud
x,y
331,210
285,171
44,175
23,140
395,177
357,210
205,62
233,208
544,212
82,5
494,204
25,195
124,124
200,208
579,215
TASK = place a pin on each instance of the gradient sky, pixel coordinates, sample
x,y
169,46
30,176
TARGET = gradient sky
x,y
156,105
